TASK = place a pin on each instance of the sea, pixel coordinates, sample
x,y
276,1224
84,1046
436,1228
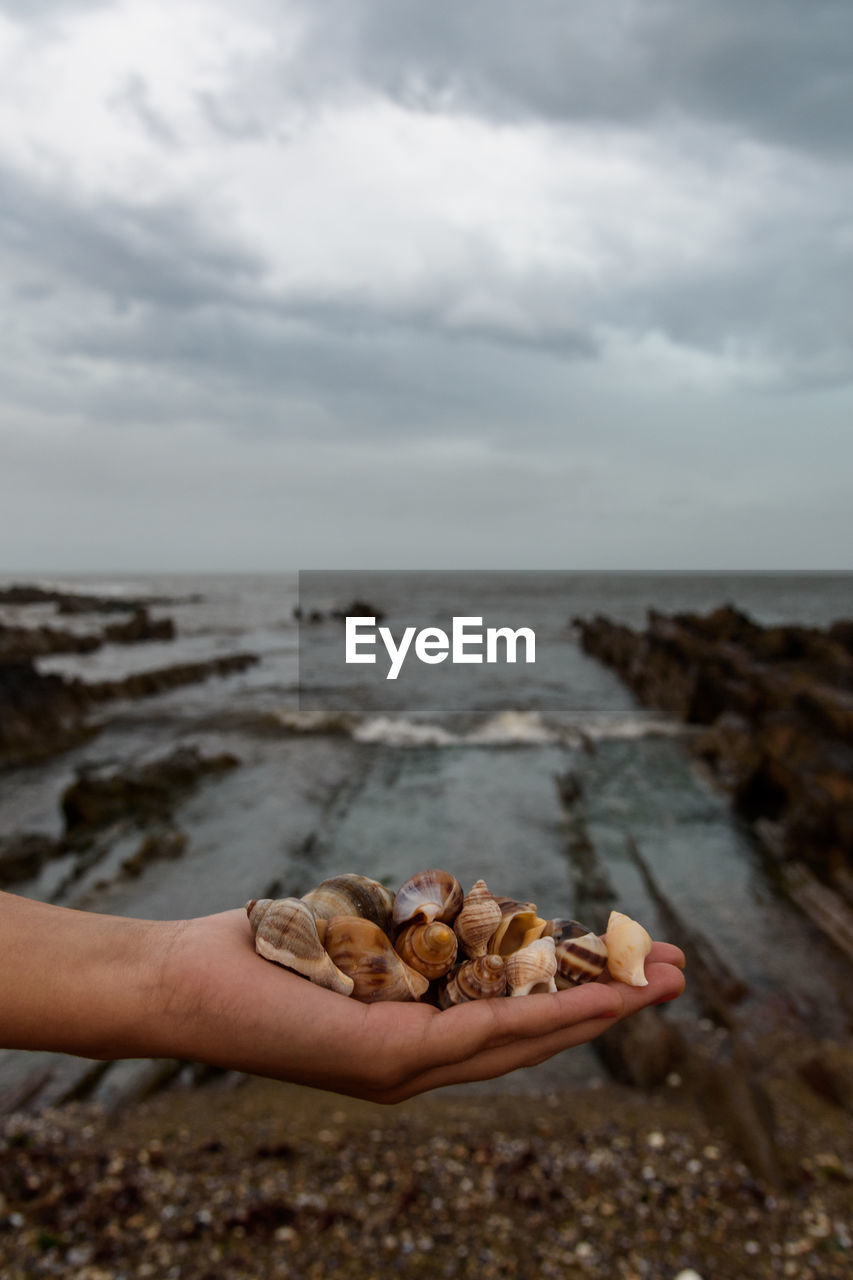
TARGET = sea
x,y
455,773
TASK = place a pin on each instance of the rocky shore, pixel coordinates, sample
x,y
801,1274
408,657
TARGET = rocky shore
x,y
43,714
246,1178
773,710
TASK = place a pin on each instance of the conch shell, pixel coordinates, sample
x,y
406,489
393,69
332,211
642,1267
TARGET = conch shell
x,y
531,970
628,944
581,954
477,921
428,948
519,926
429,895
352,895
365,954
285,931
478,979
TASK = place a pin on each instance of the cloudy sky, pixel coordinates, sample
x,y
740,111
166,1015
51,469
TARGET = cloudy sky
x,y
292,283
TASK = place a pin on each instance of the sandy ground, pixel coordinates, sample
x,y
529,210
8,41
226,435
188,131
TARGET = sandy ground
x,y
268,1180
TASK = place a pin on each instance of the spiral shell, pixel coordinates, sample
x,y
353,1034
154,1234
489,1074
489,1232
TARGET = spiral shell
x,y
628,944
429,895
531,970
286,932
352,895
477,921
428,948
581,954
478,979
519,926
365,954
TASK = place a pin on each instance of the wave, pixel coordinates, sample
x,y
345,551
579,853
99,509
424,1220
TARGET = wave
x,y
505,728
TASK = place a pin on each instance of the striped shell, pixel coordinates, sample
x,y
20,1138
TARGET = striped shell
x,y
531,970
477,921
352,895
480,979
429,895
428,948
286,932
365,954
581,954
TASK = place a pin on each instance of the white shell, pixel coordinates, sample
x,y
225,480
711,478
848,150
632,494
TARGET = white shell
x,y
628,944
531,970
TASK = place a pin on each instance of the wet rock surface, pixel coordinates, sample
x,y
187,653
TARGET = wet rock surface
x,y
773,708
145,793
277,1181
104,803
40,715
43,714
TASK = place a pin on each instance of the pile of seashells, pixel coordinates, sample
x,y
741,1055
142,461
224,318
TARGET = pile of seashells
x,y
429,941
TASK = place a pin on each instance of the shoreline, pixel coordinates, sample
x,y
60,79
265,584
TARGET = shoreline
x,y
238,1180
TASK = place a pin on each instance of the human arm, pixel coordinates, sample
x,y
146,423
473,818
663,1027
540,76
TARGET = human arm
x,y
110,987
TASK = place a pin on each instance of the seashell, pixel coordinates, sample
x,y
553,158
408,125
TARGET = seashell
x,y
365,954
428,948
352,895
478,920
519,926
479,979
531,970
429,895
628,944
581,954
286,932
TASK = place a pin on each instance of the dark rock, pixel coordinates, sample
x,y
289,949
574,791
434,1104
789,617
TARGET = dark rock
x,y
147,684
40,715
20,644
777,706
358,609
569,787
734,1098
641,1050
139,628
829,1073
166,844
146,793
22,855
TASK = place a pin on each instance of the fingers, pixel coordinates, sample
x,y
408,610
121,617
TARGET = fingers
x,y
490,1037
504,1052
666,953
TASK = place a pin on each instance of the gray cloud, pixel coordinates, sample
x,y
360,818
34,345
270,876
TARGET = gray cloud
x,y
768,69
125,250
622,370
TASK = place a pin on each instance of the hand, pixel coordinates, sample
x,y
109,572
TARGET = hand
x,y
229,1007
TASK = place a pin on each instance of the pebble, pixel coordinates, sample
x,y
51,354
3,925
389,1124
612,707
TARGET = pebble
x,y
619,1184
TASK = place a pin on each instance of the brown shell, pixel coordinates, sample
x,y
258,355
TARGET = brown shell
x,y
581,957
520,925
531,970
477,921
286,933
352,895
428,948
428,895
480,979
365,954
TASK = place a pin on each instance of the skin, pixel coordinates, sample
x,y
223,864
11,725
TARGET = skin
x,y
110,987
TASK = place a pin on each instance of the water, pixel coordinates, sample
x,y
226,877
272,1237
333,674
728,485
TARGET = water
x,y
457,776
